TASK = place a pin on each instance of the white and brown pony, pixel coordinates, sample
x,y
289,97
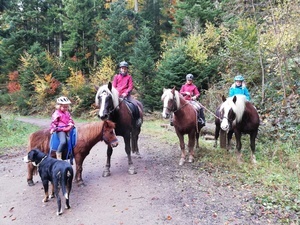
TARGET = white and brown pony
x,y
238,116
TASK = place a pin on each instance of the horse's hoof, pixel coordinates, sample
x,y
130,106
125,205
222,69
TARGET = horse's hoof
x,y
106,173
30,182
132,170
181,161
191,160
81,184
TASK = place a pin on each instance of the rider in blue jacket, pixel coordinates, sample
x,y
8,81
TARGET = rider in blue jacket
x,y
239,87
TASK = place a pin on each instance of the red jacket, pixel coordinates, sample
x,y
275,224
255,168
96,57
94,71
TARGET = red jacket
x,y
192,89
123,84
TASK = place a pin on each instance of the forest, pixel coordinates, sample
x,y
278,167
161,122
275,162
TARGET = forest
x,y
50,48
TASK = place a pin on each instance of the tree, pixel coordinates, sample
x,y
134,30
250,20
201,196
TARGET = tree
x,y
116,34
143,67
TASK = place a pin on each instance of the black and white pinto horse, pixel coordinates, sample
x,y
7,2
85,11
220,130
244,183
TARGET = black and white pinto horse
x,y
113,108
239,116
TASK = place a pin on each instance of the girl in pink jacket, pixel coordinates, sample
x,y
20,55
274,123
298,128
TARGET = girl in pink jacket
x,y
62,123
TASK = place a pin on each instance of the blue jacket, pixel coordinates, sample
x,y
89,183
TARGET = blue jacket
x,y
242,90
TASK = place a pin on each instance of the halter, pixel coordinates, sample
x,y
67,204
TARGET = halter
x,y
104,139
120,101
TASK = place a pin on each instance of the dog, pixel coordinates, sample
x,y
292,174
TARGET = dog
x,y
58,172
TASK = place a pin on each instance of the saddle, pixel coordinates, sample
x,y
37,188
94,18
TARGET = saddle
x,y
72,141
134,109
200,114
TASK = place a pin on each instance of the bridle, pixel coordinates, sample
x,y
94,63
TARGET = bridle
x,y
174,105
114,108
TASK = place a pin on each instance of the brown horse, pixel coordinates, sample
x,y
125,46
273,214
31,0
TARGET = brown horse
x,y
185,121
237,115
117,110
88,135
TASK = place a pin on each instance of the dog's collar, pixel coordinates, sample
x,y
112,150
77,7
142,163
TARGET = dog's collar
x,y
41,160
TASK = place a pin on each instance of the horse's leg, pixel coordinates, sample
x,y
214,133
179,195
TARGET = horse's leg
x,y
134,140
252,145
30,169
182,148
78,174
229,137
217,133
106,172
127,140
191,145
197,140
238,136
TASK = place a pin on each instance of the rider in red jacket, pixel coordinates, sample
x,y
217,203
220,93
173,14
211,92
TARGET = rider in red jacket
x,y
124,84
190,93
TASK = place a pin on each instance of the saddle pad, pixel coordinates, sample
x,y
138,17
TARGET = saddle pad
x,y
54,140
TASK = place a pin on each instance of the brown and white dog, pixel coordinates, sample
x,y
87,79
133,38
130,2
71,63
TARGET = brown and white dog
x,y
58,172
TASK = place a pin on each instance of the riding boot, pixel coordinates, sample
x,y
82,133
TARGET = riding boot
x,y
58,155
201,118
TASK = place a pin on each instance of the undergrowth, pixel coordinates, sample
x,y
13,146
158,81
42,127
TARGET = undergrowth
x,y
274,180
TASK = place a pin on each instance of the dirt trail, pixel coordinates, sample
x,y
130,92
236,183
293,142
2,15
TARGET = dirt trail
x,y
160,193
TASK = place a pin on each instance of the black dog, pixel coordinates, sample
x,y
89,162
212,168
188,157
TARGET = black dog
x,y
58,172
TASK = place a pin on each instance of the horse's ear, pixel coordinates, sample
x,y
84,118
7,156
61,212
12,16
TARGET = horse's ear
x,y
234,99
173,89
96,87
109,85
223,98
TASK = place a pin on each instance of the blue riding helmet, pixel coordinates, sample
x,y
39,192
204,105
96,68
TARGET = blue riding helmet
x,y
189,76
239,78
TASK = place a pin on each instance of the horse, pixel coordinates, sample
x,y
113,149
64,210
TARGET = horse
x,y
89,135
117,110
237,116
184,121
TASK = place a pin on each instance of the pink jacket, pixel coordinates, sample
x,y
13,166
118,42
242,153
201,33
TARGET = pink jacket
x,y
123,84
192,89
60,120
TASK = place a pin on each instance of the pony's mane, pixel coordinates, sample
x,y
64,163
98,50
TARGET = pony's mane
x,y
238,107
168,93
113,92
93,129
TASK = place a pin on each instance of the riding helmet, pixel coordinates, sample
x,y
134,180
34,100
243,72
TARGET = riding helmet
x,y
63,100
123,64
189,76
239,78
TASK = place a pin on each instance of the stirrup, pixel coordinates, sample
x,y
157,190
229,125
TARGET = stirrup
x,y
139,122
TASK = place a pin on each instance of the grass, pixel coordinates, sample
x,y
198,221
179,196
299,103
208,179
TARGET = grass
x,y
14,133
274,181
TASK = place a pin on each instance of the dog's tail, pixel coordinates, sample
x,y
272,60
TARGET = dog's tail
x,y
67,179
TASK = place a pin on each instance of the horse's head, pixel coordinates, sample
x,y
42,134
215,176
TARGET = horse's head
x,y
108,134
107,100
231,111
170,98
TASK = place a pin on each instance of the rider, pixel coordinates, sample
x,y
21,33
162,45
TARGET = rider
x,y
239,87
124,84
62,123
190,93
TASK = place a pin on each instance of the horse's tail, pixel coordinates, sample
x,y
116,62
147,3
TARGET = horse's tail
x,y
66,181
